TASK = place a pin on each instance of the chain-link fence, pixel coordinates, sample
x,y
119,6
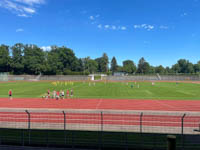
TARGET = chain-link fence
x,y
99,128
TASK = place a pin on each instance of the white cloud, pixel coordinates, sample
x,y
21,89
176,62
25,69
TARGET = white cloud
x,y
150,27
111,27
30,2
136,26
94,18
29,10
91,17
184,14
144,26
22,15
19,30
107,26
114,27
22,8
99,26
46,48
164,27
123,28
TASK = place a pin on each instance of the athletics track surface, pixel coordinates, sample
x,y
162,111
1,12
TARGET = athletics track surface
x,y
101,104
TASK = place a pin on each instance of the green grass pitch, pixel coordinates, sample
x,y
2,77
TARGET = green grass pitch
x,y
109,90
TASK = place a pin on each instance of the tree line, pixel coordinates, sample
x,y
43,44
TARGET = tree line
x,y
31,59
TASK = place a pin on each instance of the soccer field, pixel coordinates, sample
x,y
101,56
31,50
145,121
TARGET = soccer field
x,y
109,90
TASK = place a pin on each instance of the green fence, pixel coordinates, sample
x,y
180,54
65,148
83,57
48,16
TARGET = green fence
x,y
94,139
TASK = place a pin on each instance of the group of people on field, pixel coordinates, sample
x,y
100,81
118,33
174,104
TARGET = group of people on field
x,y
59,94
54,95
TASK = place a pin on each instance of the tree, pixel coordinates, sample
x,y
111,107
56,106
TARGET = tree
x,y
30,59
120,69
129,66
98,60
152,69
113,65
80,67
183,66
197,68
160,69
143,66
90,65
85,62
168,70
4,59
53,64
62,60
33,59
17,63
102,63
190,68
66,57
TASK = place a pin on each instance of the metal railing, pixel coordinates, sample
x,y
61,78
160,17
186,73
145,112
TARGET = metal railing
x,y
181,77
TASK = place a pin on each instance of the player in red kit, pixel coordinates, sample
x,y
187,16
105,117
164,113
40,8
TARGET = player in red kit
x,y
48,94
57,95
67,93
10,94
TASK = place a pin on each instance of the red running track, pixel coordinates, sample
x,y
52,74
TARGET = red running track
x,y
102,104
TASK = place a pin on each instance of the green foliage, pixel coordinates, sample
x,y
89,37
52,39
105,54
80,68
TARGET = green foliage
x,y
33,59
119,68
69,72
4,58
30,59
197,68
152,70
103,63
129,66
183,66
89,65
113,65
17,63
160,69
143,66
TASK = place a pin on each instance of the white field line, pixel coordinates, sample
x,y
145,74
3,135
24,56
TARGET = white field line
x,y
164,104
99,103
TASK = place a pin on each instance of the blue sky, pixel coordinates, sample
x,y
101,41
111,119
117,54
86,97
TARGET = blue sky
x,y
161,31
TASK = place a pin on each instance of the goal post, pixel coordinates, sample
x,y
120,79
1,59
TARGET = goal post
x,y
97,77
3,76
